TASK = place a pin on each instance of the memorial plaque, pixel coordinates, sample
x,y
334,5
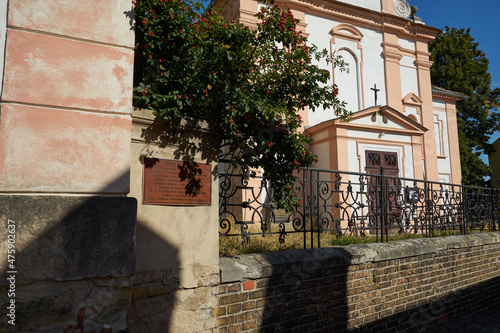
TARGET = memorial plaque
x,y
176,183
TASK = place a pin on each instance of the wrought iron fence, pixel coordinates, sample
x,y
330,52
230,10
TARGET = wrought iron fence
x,y
347,203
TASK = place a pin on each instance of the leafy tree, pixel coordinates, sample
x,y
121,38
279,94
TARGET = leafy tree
x,y
460,66
248,85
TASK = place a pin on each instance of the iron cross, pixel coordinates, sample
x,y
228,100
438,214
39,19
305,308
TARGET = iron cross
x,y
375,90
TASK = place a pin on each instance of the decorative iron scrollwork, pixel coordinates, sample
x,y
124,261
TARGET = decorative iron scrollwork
x,y
349,203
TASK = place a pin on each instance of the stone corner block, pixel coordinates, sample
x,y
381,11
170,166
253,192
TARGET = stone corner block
x,y
70,238
229,271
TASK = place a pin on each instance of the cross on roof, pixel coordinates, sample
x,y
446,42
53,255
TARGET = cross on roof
x,y
375,90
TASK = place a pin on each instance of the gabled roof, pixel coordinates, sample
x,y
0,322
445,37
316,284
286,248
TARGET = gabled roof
x,y
447,94
377,118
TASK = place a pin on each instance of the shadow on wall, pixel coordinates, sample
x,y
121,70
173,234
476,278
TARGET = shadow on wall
x,y
195,140
192,175
459,311
298,290
308,290
338,290
171,175
73,264
154,292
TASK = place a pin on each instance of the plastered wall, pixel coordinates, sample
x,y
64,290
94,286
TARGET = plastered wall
x,y
66,96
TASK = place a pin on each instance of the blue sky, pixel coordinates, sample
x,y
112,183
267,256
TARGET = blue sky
x,y
480,15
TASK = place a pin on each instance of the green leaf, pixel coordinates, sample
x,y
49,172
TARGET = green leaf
x,y
459,65
252,105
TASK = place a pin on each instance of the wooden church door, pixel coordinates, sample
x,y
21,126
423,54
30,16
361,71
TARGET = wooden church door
x,y
382,192
377,159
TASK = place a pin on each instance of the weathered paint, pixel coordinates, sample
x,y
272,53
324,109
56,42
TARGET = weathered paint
x,y
191,232
48,70
104,20
52,150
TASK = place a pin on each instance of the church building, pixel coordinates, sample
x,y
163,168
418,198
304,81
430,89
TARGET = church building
x,y
399,120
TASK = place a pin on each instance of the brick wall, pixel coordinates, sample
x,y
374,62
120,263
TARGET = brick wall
x,y
415,285
159,303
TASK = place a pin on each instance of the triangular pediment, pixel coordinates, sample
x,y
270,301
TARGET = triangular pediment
x,y
377,119
412,99
385,117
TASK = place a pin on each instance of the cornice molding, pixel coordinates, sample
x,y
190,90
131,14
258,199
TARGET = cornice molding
x,y
377,20
392,55
447,97
344,11
411,126
424,64
340,9
423,54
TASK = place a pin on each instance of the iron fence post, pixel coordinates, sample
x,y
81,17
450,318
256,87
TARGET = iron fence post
x,y
432,222
464,209
314,202
497,206
316,208
492,210
494,196
426,208
306,180
317,224
383,208
311,205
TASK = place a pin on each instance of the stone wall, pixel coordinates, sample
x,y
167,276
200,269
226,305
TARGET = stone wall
x,y
415,285
160,304
73,260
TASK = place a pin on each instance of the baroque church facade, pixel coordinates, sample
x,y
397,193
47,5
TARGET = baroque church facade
x,y
399,120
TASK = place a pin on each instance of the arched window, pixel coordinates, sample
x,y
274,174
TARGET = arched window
x,y
346,42
413,117
349,81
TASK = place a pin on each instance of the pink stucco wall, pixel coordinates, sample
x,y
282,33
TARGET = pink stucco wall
x,y
103,20
47,70
45,149
67,97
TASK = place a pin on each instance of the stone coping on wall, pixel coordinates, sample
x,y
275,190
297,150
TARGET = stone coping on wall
x,y
262,265
146,116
